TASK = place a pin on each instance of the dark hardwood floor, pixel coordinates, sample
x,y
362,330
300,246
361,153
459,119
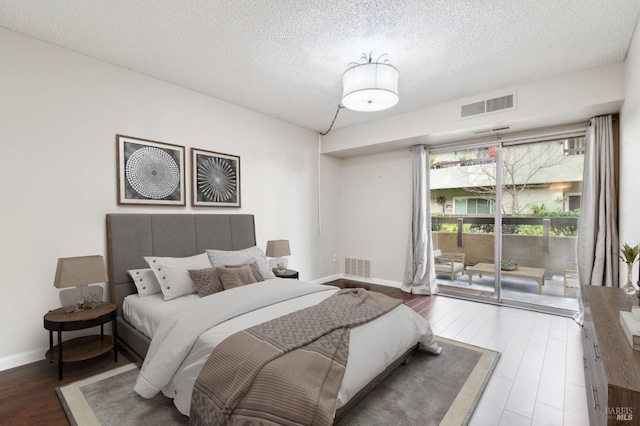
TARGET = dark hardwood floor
x,y
389,291
27,393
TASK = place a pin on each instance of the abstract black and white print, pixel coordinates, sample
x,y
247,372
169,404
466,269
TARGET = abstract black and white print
x,y
150,172
216,179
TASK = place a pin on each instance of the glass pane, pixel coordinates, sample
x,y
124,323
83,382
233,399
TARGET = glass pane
x,y
483,206
539,225
462,223
472,206
574,203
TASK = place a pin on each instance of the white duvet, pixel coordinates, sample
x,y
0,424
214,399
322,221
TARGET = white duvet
x,y
184,340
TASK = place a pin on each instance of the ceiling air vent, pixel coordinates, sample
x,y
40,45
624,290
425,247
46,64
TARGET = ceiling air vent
x,y
488,106
473,109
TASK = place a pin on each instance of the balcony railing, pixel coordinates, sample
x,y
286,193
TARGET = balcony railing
x,y
549,250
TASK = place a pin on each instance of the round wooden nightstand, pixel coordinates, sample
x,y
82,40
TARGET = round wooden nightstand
x,y
289,273
81,348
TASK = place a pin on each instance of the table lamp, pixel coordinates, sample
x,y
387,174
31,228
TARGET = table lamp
x,y
278,248
79,272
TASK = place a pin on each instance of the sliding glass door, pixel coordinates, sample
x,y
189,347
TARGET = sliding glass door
x,y
541,186
463,208
508,212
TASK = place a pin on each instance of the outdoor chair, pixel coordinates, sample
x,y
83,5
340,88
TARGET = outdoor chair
x,y
449,264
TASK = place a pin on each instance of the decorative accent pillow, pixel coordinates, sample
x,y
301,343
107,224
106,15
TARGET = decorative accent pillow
x,y
145,281
235,277
206,281
240,257
255,270
172,273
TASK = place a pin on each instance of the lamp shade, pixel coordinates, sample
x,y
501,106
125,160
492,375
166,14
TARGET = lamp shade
x,y
278,248
77,271
371,86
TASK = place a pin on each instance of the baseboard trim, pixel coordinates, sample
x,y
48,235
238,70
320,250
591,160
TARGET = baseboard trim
x,y
23,358
388,283
330,278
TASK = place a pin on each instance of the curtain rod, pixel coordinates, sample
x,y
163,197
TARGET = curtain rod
x,y
569,130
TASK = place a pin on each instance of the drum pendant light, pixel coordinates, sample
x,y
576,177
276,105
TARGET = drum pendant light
x,y
370,86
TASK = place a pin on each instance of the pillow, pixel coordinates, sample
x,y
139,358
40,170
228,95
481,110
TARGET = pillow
x,y
172,273
145,281
240,257
206,281
235,277
255,270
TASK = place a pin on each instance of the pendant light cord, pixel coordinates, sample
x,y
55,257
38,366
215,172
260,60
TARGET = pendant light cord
x,y
334,120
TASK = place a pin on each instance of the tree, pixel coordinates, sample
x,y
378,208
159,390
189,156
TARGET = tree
x,y
522,167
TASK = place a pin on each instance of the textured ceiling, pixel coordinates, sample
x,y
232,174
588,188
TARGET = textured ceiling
x,y
285,58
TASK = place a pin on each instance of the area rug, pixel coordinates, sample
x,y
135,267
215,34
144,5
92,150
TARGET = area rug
x,y
429,390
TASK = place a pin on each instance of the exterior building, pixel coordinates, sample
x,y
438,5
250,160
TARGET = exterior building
x,y
533,174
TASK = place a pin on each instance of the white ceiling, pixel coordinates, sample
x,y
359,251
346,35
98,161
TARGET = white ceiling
x,y
285,58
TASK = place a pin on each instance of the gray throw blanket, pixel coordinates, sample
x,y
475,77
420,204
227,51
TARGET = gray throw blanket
x,y
286,371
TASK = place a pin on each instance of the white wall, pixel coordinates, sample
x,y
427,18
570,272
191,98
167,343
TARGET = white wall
x,y
629,225
59,114
375,205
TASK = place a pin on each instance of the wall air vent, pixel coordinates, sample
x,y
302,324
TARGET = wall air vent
x,y
488,106
357,267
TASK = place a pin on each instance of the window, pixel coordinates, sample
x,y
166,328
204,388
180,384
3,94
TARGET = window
x,y
574,146
573,202
473,206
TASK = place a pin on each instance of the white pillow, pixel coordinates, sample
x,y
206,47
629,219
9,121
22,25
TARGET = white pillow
x,y
145,281
173,273
220,258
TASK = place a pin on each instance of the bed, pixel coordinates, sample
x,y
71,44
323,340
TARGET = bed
x,y
375,348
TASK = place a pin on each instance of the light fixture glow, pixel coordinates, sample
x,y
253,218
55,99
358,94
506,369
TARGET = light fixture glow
x,y
371,86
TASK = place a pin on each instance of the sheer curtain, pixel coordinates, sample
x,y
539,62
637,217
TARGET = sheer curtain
x,y
419,273
597,246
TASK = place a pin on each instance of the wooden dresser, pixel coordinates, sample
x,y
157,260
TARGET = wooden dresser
x,y
612,366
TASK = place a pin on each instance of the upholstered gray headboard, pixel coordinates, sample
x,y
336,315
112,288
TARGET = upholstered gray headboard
x,y
130,237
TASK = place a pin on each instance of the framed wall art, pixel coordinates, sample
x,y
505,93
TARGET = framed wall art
x,y
150,172
215,180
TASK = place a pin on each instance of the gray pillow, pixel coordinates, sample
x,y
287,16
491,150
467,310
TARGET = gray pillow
x,y
255,269
235,277
206,281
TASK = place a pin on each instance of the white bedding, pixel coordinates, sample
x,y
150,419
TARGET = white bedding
x,y
175,359
146,313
